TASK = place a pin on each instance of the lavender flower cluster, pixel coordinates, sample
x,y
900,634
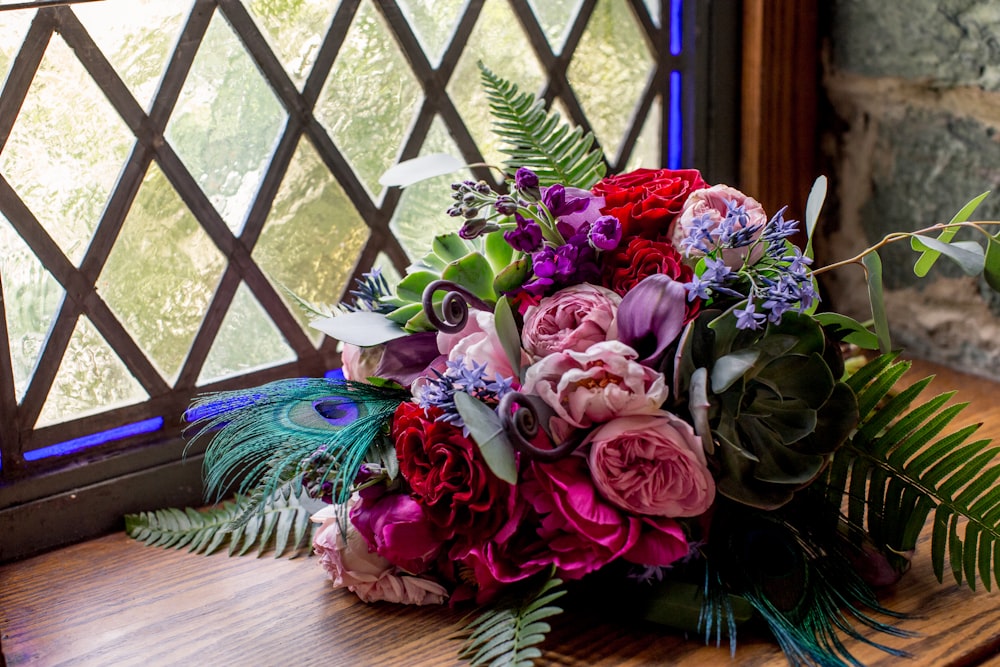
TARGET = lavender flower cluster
x,y
778,282
439,392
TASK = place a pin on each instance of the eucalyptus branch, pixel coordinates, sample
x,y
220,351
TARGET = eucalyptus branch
x,y
899,236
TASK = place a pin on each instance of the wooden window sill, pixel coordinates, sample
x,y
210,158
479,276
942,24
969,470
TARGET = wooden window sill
x,y
113,601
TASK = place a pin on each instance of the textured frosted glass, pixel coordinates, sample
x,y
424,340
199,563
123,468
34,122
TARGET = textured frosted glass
x,y
226,123
12,29
31,298
647,146
247,340
65,150
370,98
555,17
497,40
161,274
137,37
421,213
609,71
312,237
294,29
654,10
91,379
433,21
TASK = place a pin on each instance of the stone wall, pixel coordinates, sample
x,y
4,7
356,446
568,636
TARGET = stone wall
x,y
912,132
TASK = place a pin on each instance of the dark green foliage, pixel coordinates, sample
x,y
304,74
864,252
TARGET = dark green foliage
x,y
538,140
281,522
898,467
508,632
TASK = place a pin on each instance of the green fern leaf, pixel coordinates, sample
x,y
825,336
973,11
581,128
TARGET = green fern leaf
x,y
281,521
537,140
897,468
509,632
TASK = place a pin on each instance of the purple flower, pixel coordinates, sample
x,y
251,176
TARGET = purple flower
x,y
525,179
605,233
526,237
651,317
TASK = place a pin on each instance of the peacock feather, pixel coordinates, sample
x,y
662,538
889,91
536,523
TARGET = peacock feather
x,y
278,433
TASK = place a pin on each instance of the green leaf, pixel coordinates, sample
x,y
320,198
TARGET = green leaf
x,y
813,206
873,271
411,288
498,251
859,334
967,254
510,337
487,430
472,272
732,367
449,247
991,265
929,256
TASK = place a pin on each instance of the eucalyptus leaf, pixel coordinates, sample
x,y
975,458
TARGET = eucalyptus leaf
x,y
698,404
929,255
873,271
730,368
419,169
813,206
361,328
858,334
967,254
487,430
991,266
510,337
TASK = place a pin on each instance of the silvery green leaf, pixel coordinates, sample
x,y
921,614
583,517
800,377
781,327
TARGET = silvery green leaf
x,y
731,367
929,256
487,430
510,338
873,271
419,169
813,206
991,266
361,328
967,254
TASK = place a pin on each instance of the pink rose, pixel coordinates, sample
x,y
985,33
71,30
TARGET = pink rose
x,y
651,464
351,565
359,363
714,203
573,318
478,342
395,527
606,381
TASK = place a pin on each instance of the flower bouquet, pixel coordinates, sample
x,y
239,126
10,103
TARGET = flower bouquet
x,y
616,378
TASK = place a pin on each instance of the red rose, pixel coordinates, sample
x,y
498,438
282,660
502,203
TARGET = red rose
x,y
448,476
626,267
648,201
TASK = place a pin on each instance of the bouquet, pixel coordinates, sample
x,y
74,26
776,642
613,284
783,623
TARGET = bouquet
x,y
618,378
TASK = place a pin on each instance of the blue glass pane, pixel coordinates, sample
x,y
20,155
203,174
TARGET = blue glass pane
x,y
676,152
76,444
676,15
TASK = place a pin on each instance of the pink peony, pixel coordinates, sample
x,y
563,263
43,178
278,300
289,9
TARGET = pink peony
x,y
359,363
478,342
713,202
573,318
395,527
351,565
652,465
592,387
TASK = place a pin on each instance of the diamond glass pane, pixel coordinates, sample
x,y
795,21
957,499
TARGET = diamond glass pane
x,y
31,298
612,62
653,6
370,98
433,21
646,152
66,150
137,37
555,18
247,340
226,123
498,41
312,237
91,379
12,29
294,29
384,264
421,212
161,274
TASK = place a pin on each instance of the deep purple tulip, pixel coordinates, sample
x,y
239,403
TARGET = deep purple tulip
x,y
651,317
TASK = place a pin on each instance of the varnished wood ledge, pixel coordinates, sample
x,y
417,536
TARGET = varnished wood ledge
x,y
112,601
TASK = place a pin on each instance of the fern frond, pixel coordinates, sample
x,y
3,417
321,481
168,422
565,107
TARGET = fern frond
x,y
536,139
509,633
282,521
898,467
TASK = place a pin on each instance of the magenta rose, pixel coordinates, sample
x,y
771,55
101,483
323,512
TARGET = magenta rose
x,y
714,203
450,480
349,563
592,387
661,542
395,527
651,465
584,532
573,318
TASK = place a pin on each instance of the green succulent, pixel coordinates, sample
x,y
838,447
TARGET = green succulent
x,y
770,405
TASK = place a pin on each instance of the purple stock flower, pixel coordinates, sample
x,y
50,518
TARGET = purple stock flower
x,y
605,233
651,317
525,179
526,237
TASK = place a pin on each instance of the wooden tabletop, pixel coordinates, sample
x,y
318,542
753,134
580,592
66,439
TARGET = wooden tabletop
x,y
113,601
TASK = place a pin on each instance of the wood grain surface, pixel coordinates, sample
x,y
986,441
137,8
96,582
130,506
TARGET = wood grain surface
x,y
113,601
